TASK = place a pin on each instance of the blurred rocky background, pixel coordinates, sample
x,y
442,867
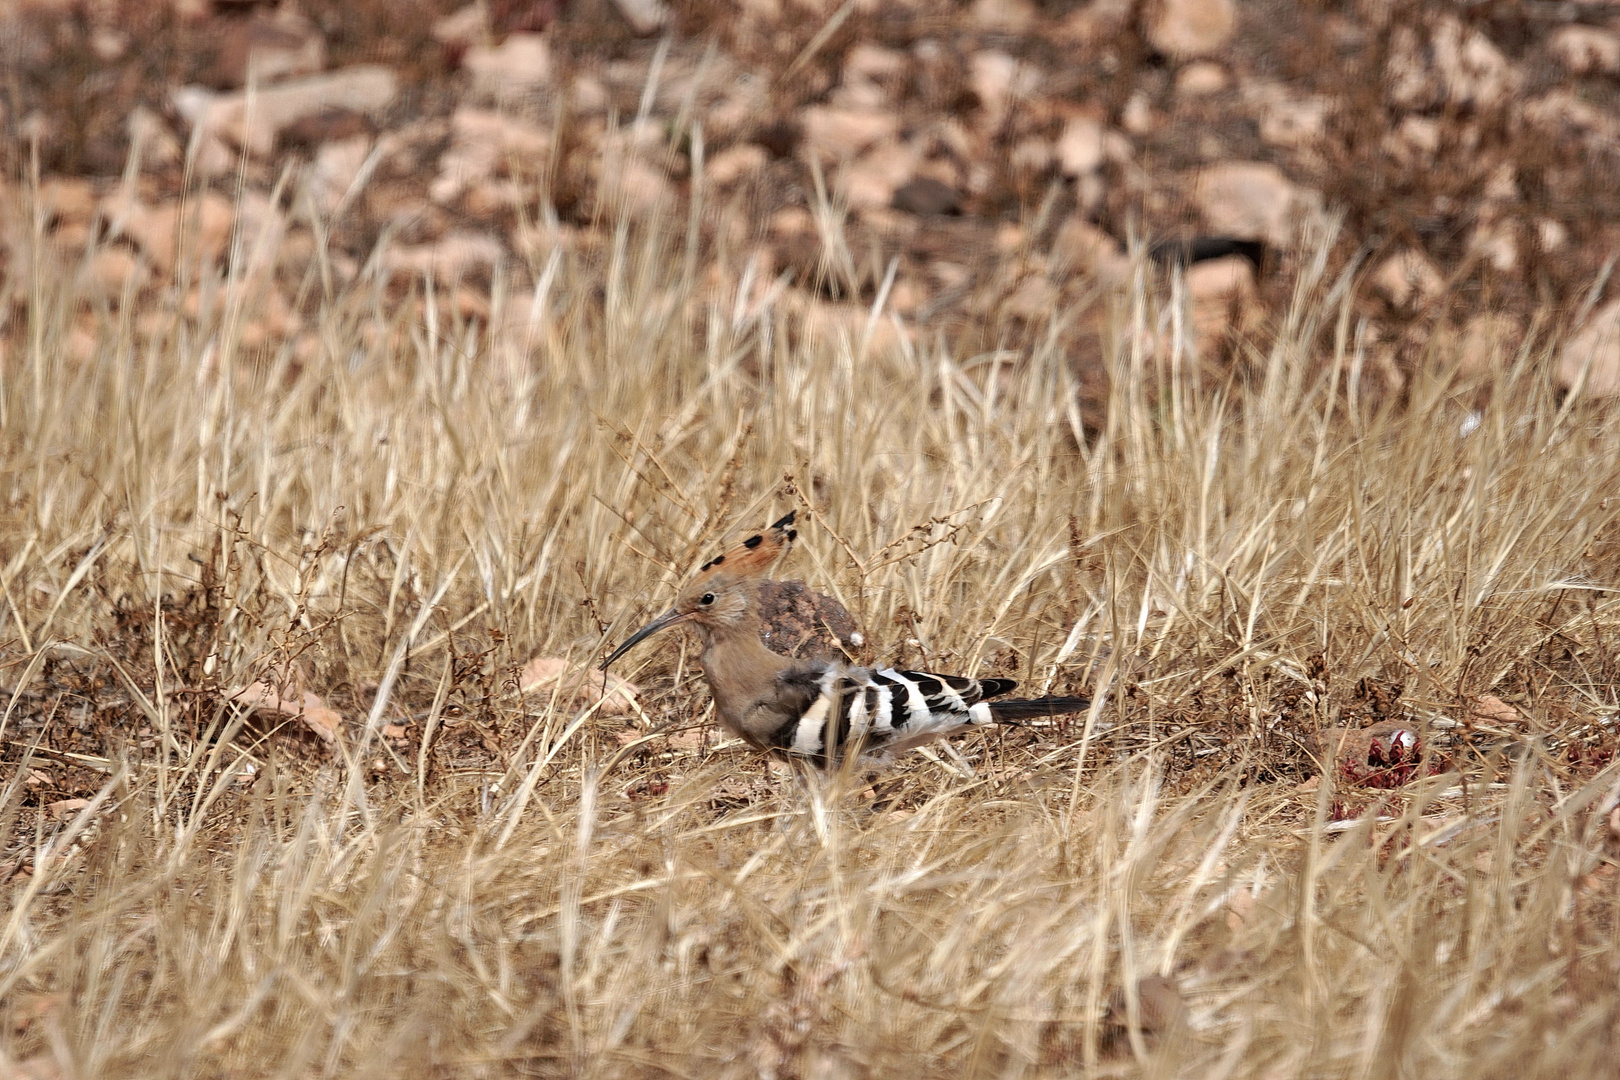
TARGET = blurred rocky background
x,y
983,169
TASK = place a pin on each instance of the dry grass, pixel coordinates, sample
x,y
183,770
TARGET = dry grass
x,y
408,511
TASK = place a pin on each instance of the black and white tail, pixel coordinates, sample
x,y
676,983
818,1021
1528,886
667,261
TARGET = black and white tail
x,y
884,712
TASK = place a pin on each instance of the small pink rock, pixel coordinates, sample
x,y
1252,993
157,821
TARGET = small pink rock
x,y
1592,357
1585,49
520,65
464,26
839,134
364,89
1220,279
1201,79
734,163
63,809
113,269
452,256
578,687
1080,147
1248,199
283,694
1035,299
483,142
1184,29
1407,276
872,180
1083,246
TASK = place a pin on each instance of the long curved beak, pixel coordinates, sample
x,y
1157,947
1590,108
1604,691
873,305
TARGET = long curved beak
x,y
667,619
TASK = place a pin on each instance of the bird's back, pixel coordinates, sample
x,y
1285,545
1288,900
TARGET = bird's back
x,y
880,711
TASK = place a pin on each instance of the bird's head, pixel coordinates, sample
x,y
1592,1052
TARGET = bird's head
x,y
722,593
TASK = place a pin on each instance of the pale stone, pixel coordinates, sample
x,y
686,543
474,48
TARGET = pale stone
x,y
281,47
263,225
464,26
575,686
638,186
1184,29
837,324
1598,345
1487,343
1560,111
1585,49
1201,79
207,220
254,121
157,143
1415,141
1219,291
949,275
451,257
871,181
108,45
1406,71
1473,69
519,65
1466,69
1137,117
859,93
1287,120
735,163
1082,246
1035,298
791,221
1494,242
1080,147
644,16
1502,186
1249,200
112,269
336,166
874,62
1006,16
1093,22
1031,155
1220,279
1552,234
67,199
271,320
999,80
482,143
71,237
1406,276
834,133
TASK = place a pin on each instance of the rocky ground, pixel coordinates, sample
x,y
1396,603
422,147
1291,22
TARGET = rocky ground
x,y
980,167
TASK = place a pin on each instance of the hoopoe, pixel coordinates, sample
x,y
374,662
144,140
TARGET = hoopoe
x,y
793,706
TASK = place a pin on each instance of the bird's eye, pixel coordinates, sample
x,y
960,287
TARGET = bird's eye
x,y
708,598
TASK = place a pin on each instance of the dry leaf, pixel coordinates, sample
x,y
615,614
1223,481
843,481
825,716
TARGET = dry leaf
x,y
549,674
1493,710
292,700
1239,906
39,1067
1161,1009
63,809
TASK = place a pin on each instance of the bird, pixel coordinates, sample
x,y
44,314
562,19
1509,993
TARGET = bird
x,y
819,711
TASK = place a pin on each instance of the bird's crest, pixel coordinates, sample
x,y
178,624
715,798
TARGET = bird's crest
x,y
754,555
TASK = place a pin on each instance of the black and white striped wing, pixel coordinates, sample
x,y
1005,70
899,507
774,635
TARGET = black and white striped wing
x,y
883,710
